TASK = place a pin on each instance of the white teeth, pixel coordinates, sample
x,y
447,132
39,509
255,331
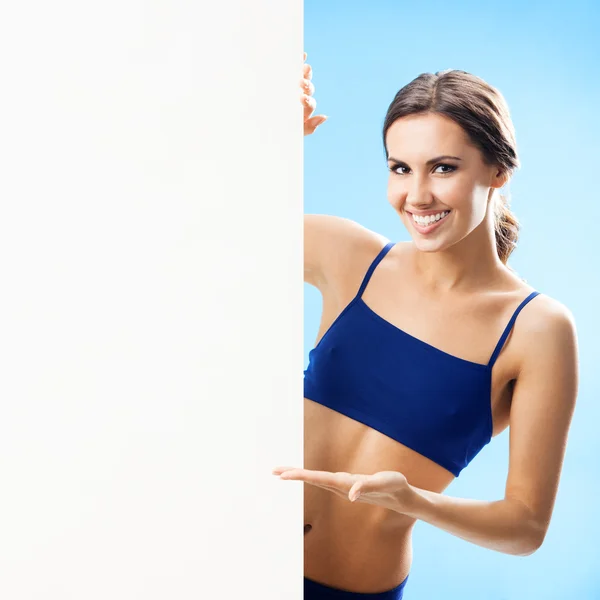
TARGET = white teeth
x,y
424,221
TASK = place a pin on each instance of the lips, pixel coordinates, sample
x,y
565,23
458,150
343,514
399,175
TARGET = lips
x,y
425,229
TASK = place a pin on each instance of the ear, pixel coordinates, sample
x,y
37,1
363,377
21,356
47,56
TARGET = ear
x,y
499,178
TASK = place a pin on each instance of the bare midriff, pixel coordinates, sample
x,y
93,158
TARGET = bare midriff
x,y
358,546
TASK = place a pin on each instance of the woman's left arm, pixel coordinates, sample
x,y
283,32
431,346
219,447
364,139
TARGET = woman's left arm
x,y
541,411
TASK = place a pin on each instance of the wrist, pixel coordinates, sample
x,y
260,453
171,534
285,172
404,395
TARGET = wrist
x,y
414,502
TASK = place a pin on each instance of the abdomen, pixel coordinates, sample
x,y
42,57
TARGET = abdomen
x,y
358,546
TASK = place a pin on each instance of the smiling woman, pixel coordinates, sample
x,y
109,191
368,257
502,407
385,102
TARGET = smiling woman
x,y
427,350
476,118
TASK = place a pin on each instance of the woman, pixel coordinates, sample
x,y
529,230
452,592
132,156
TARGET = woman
x,y
426,350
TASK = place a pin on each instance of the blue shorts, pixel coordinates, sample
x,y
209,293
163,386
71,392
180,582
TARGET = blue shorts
x,y
318,591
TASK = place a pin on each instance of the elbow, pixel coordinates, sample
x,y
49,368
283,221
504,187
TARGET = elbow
x,y
527,549
530,540
528,530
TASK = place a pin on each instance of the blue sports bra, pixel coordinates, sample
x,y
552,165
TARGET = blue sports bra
x,y
435,403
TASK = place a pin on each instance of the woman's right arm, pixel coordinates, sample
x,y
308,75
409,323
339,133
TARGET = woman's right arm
x,y
331,244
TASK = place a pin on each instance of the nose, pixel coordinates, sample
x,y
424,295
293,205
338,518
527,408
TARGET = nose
x,y
419,194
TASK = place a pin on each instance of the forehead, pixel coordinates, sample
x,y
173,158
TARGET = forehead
x,y
426,135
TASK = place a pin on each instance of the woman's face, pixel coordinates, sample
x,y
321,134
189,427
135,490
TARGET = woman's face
x,y
437,173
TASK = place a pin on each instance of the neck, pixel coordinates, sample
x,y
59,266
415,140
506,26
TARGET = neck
x,y
465,266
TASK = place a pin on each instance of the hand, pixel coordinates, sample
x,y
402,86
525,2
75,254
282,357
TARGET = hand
x,y
388,489
308,102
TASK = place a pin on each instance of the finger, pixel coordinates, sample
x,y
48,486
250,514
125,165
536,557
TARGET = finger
x,y
305,55
342,493
339,481
370,484
309,104
279,470
329,488
296,474
323,479
315,477
307,86
313,123
355,491
307,71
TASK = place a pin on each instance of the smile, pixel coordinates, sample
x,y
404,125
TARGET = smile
x,y
429,222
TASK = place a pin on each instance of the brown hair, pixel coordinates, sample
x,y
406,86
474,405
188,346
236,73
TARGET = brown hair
x,y
483,114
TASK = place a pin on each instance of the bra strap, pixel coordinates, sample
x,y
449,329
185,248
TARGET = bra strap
x,y
508,328
374,264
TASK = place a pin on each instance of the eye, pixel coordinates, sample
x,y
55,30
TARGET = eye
x,y
450,168
404,170
395,169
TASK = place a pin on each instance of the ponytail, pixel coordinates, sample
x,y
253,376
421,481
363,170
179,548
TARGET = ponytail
x,y
507,228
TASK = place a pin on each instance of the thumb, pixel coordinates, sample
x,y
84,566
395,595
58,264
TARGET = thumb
x,y
363,486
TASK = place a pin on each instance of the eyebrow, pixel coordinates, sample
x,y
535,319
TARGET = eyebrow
x,y
431,161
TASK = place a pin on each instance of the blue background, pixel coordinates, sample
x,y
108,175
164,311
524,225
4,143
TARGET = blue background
x,y
544,59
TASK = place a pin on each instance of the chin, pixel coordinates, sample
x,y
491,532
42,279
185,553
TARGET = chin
x,y
429,245
423,243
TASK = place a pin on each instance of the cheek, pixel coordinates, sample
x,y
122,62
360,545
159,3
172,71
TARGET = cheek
x,y
465,196
454,192
477,201
396,191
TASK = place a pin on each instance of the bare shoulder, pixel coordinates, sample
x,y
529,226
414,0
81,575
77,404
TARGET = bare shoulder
x,y
335,246
548,316
547,333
